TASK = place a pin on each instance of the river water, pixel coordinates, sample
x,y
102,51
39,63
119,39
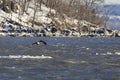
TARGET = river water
x,y
72,59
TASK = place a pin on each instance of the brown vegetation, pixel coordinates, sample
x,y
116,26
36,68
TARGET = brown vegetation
x,y
76,9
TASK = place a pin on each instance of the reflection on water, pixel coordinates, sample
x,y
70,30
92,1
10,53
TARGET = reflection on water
x,y
72,59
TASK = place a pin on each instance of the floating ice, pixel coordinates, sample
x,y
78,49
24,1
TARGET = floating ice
x,y
25,57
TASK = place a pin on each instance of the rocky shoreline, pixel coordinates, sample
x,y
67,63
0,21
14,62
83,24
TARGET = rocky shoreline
x,y
46,22
50,30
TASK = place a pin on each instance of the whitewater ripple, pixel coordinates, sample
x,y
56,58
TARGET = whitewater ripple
x,y
25,57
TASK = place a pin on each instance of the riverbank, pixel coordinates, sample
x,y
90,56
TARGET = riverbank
x,y
50,30
48,24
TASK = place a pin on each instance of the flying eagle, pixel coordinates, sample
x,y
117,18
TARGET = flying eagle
x,y
39,42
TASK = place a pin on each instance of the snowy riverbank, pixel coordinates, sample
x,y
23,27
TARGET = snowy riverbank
x,y
48,25
50,30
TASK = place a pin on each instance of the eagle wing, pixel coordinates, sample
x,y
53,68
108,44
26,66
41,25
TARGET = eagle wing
x,y
43,42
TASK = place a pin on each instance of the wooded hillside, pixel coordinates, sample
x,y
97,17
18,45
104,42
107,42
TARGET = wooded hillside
x,y
76,9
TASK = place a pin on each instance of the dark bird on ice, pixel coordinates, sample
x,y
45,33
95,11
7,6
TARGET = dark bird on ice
x,y
39,42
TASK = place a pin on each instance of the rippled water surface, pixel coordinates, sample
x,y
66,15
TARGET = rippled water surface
x,y
72,59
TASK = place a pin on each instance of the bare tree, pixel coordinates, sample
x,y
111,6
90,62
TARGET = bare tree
x,y
75,9
106,15
35,11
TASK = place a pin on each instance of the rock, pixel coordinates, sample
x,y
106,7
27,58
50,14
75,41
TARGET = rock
x,y
66,32
100,31
23,29
48,34
53,29
57,34
119,33
84,34
73,30
8,28
43,31
12,34
108,33
47,29
23,34
116,33
85,29
30,30
77,34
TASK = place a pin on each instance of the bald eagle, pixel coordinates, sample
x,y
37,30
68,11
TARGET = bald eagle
x,y
39,42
